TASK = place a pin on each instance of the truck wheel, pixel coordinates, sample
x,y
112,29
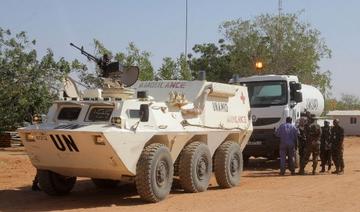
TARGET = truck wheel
x,y
228,164
105,183
55,184
195,167
154,173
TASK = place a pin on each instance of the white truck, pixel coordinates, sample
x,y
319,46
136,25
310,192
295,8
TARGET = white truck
x,y
272,99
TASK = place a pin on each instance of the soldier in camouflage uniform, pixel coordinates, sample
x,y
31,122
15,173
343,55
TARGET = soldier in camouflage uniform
x,y
325,147
303,130
337,147
312,146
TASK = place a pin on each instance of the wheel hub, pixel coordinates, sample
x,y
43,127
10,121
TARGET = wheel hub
x,y
201,168
161,173
234,165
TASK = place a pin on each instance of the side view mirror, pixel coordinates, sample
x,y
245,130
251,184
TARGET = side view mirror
x,y
294,86
144,112
298,97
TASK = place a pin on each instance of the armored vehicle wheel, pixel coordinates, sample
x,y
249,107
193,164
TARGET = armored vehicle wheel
x,y
228,164
154,173
55,184
195,167
104,183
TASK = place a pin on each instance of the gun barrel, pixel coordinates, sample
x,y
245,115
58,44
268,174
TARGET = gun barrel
x,y
73,45
88,55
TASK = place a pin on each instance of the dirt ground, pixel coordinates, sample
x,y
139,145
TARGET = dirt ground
x,y
261,189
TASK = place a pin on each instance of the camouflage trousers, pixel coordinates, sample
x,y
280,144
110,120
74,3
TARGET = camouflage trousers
x,y
311,149
338,158
325,156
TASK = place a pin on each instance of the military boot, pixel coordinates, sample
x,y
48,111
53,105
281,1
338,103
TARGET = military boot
x,y
322,169
336,171
341,171
301,171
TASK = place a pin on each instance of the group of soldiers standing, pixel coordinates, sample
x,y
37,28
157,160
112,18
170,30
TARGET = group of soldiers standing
x,y
311,139
326,142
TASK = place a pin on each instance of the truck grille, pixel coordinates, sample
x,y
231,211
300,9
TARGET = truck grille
x,y
265,121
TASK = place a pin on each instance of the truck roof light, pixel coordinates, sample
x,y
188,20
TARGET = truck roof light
x,y
259,65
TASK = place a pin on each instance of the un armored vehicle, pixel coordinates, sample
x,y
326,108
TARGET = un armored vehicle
x,y
148,134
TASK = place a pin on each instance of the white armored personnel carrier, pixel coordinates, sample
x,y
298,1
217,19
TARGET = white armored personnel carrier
x,y
148,134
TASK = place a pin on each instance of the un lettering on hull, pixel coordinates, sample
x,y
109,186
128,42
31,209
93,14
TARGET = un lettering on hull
x,y
64,143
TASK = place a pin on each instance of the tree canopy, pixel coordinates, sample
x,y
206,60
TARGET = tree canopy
x,y
28,85
284,44
346,102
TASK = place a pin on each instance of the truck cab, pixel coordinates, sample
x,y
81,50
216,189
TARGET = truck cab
x,y
272,99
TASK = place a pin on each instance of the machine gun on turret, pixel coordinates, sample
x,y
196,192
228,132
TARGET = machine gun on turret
x,y
126,76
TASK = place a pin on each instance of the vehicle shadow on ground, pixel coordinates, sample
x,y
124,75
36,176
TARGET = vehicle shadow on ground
x,y
262,164
261,167
85,195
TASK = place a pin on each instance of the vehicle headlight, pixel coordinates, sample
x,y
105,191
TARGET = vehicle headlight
x,y
29,137
99,140
116,121
37,119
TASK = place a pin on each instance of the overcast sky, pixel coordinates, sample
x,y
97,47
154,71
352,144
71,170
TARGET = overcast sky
x,y
158,26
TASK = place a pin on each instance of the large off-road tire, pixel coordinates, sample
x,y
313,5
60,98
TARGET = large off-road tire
x,y
195,167
228,164
55,184
105,183
154,173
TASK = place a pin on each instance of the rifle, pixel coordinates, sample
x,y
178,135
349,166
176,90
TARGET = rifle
x,y
88,55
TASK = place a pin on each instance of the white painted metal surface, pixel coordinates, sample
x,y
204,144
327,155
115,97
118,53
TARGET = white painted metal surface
x,y
179,112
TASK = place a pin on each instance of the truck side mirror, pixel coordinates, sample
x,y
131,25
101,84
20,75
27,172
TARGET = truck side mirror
x,y
295,94
298,97
144,112
294,86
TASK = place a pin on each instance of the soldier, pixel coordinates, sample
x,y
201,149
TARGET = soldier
x,y
337,147
103,63
303,128
325,147
312,146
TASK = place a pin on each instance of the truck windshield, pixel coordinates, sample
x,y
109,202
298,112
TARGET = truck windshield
x,y
267,93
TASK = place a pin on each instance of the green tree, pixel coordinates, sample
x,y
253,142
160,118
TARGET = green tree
x,y
183,68
214,59
346,102
28,85
284,44
134,56
168,69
